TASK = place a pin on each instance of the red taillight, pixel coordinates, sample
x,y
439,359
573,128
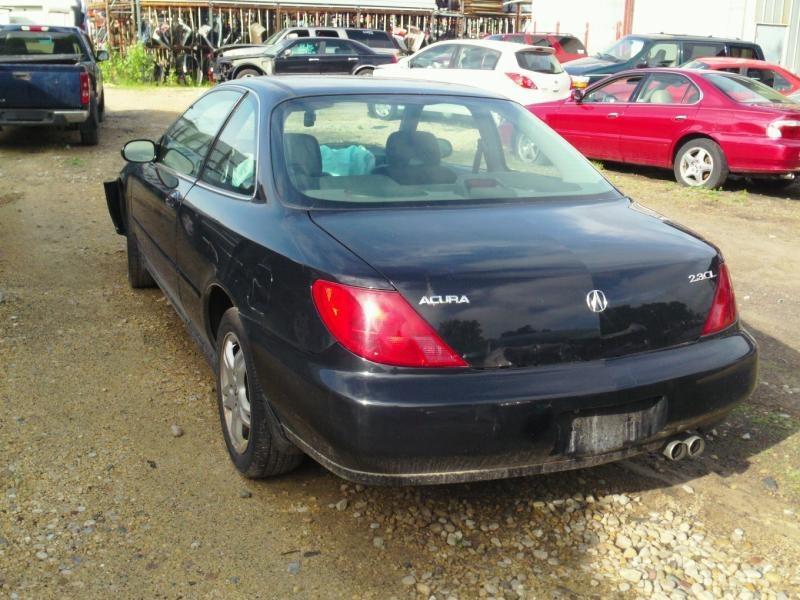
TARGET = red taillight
x,y
85,90
381,326
723,308
394,58
784,128
521,80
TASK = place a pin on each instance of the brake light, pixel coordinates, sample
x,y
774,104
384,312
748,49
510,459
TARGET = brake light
x,y
784,128
522,81
723,308
85,93
394,58
34,28
380,326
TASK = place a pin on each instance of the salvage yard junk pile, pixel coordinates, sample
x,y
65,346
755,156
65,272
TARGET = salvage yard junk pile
x,y
400,267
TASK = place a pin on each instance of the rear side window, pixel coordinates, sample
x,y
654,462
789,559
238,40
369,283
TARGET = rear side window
x,y
541,41
572,45
743,52
477,58
231,164
339,47
692,50
373,39
186,144
539,62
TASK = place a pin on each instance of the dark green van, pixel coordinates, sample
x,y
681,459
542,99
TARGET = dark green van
x,y
659,50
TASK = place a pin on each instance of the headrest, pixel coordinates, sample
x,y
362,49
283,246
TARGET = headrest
x,y
302,154
661,97
405,148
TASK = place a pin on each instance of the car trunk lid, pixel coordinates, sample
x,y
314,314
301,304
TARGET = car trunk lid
x,y
518,285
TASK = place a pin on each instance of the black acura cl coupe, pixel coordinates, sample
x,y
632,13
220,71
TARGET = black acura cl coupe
x,y
408,301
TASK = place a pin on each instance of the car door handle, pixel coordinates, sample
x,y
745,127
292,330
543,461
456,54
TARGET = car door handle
x,y
313,60
613,115
353,58
173,199
680,118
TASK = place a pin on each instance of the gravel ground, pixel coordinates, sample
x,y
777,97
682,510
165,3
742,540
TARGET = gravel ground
x,y
114,478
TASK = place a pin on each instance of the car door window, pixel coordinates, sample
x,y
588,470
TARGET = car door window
x,y
668,88
298,33
435,58
231,163
186,143
619,90
304,48
477,58
742,52
327,33
338,47
769,77
662,54
692,51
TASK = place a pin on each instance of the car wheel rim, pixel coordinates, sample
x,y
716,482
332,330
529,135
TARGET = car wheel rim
x,y
383,110
696,166
526,149
233,383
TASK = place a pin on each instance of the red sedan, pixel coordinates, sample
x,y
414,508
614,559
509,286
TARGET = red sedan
x,y
704,125
770,74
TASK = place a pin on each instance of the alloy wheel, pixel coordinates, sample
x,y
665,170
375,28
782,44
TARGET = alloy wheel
x,y
696,166
235,403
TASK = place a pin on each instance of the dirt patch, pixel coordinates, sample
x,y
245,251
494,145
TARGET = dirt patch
x,y
98,497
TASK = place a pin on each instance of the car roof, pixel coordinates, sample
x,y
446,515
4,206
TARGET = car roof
x,y
679,37
499,45
276,89
737,62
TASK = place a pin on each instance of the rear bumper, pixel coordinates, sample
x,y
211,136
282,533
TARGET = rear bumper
x,y
22,116
759,154
413,428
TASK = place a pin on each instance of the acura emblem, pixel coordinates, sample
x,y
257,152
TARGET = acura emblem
x,y
596,301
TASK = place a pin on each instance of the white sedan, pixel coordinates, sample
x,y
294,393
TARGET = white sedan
x,y
525,74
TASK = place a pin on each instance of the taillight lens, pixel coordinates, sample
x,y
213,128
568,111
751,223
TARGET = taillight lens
x,y
784,128
85,91
381,326
723,308
394,58
521,80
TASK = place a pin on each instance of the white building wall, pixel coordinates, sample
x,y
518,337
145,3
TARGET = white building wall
x,y
603,17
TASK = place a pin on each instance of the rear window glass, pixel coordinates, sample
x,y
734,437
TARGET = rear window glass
x,y
337,151
572,45
692,51
373,39
746,91
38,43
539,62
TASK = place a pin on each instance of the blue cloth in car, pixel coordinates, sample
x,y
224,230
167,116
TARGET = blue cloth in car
x,y
352,160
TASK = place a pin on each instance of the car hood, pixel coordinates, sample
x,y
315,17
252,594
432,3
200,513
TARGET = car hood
x,y
590,64
248,52
507,285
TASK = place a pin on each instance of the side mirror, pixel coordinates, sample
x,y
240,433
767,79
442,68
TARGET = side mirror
x,y
139,151
286,53
577,96
102,55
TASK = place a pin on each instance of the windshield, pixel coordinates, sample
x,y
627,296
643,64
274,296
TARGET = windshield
x,y
624,50
273,39
39,43
352,151
746,90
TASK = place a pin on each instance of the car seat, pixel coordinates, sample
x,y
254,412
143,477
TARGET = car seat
x,y
303,160
63,46
660,97
414,158
14,47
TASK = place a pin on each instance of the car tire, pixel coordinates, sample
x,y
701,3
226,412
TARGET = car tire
x,y
701,163
525,149
138,275
365,72
247,73
101,114
90,129
260,449
387,112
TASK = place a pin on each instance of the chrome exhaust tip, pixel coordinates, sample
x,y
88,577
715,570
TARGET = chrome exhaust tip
x,y
694,445
676,450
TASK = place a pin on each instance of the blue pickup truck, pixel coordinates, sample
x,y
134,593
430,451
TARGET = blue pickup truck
x,y
49,76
